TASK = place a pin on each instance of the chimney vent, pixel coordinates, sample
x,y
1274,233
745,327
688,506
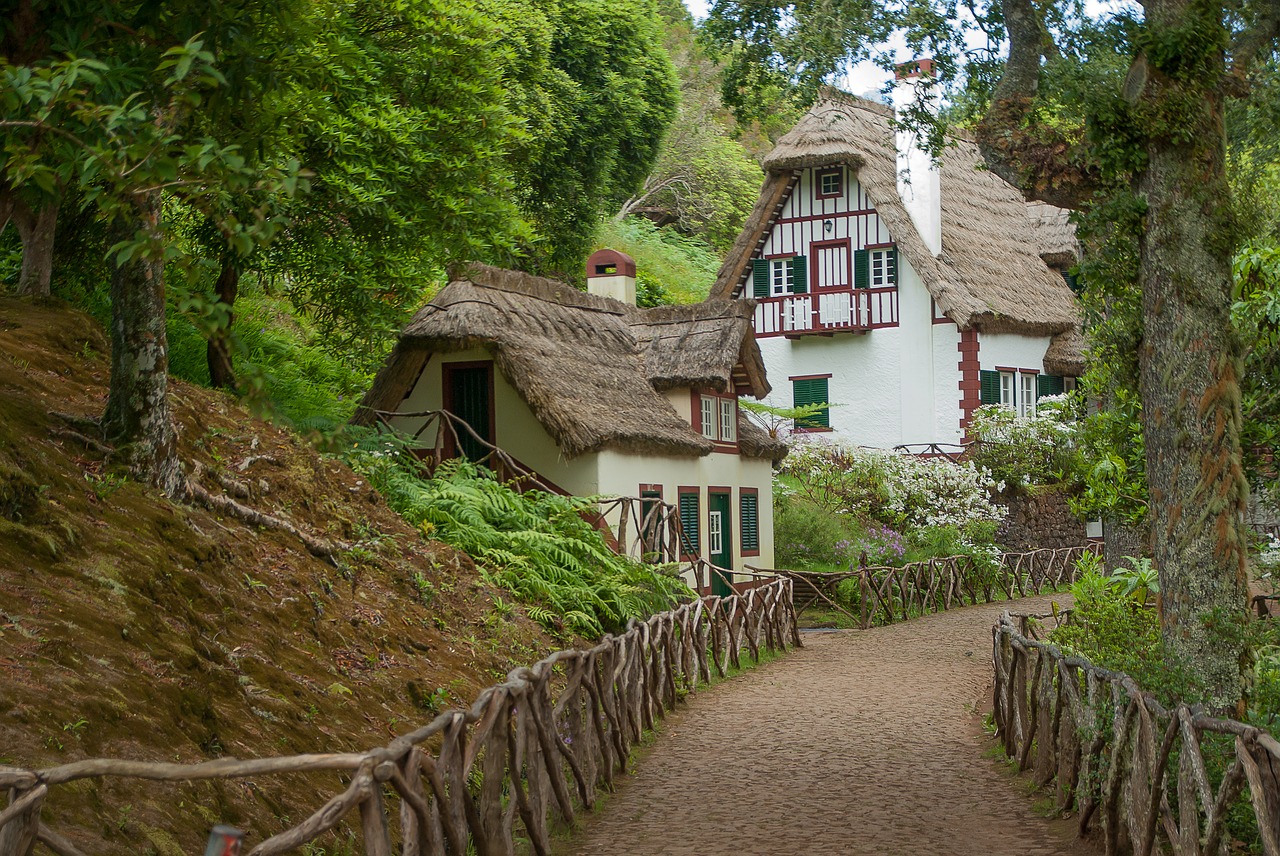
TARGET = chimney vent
x,y
612,274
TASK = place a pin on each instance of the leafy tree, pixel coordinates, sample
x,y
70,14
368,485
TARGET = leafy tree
x,y
1124,115
597,92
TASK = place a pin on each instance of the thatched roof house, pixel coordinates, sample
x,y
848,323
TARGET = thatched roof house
x,y
990,273
591,369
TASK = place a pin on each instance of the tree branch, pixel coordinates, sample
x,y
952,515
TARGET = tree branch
x,y
1252,43
1035,158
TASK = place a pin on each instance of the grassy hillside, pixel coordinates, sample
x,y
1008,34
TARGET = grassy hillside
x,y
134,627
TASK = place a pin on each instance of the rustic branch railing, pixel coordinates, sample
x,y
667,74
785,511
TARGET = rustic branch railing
x,y
536,747
1111,751
888,594
647,528
950,451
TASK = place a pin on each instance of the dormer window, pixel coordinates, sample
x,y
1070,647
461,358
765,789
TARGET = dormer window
x,y
717,417
830,183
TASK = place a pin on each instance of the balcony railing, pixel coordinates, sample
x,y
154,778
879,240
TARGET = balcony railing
x,y
826,312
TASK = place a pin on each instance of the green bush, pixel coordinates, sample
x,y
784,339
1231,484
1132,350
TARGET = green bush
x,y
804,534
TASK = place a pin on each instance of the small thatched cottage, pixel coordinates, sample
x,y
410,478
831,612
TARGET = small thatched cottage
x,y
599,397
907,293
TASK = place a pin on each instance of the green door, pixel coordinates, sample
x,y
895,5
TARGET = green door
x,y
719,541
468,394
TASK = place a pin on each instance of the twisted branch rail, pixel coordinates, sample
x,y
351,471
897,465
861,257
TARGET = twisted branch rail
x,y
537,746
1116,754
890,594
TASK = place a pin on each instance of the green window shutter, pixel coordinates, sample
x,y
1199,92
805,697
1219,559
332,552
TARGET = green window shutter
x,y
760,278
1049,385
749,508
990,387
811,391
689,518
891,260
800,275
861,269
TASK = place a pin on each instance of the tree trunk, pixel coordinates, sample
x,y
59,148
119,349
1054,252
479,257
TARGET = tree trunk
x,y
221,372
1189,374
138,418
36,229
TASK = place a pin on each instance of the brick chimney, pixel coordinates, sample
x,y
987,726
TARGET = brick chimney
x,y
919,183
612,274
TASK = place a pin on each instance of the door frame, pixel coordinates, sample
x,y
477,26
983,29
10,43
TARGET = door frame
x,y
718,585
446,399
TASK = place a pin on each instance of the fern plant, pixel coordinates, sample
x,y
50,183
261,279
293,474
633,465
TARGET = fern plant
x,y
536,545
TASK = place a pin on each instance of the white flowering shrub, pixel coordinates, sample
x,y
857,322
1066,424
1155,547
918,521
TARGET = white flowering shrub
x,y
901,491
1016,451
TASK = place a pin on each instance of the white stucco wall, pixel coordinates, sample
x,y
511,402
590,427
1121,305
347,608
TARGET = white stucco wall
x,y
1010,350
516,431
893,385
946,384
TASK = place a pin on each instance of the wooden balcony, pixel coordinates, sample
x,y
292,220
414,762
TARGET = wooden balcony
x,y
825,313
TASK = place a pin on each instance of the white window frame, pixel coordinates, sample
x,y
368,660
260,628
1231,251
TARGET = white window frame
x,y
1009,390
1027,394
836,176
880,273
709,410
728,420
715,533
782,276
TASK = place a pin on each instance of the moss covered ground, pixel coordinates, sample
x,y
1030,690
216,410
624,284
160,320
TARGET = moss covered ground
x,y
134,627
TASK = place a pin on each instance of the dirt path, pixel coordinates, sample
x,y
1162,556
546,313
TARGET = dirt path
x,y
860,743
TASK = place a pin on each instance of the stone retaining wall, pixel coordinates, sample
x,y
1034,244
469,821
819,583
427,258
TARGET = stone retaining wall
x,y
1040,519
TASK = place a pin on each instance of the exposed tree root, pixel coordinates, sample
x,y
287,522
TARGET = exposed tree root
x,y
253,459
319,547
97,445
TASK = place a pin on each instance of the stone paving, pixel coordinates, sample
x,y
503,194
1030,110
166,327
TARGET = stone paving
x,y
859,743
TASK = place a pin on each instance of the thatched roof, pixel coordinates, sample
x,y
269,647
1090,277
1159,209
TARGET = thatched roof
x,y
989,274
1055,236
1065,355
589,367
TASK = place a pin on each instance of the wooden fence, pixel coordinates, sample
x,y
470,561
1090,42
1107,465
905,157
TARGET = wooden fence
x,y
535,748
1119,757
889,594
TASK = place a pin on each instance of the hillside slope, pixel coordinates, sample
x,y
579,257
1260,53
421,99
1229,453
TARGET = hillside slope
x,y
134,627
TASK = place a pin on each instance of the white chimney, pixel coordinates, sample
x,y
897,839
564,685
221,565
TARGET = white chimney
x,y
918,180
612,274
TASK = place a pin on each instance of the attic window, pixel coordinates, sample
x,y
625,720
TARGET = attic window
x,y
830,183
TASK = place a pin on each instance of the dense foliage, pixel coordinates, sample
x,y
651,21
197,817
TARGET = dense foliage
x,y
536,545
837,504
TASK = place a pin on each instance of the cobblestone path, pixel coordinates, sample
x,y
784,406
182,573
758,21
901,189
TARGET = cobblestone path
x,y
859,743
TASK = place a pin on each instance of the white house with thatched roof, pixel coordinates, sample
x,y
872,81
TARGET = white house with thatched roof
x,y
599,397
906,293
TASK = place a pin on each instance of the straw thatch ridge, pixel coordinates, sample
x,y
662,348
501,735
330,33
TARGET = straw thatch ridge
x,y
1065,355
581,362
989,274
1055,236
755,442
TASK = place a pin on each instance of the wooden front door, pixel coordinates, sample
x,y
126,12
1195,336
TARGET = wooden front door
x,y
719,540
468,394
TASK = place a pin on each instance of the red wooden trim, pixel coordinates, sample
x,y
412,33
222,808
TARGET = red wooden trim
x,y
805,218
1006,369
814,246
777,256
720,488
888,245
1029,371
446,396
695,406
970,378
938,318
652,488
817,182
808,377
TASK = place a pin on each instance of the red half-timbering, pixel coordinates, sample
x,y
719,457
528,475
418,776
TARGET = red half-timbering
x,y
970,379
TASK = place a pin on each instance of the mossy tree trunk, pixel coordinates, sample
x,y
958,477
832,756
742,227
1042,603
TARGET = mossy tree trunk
x,y
138,418
36,227
221,373
1189,361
